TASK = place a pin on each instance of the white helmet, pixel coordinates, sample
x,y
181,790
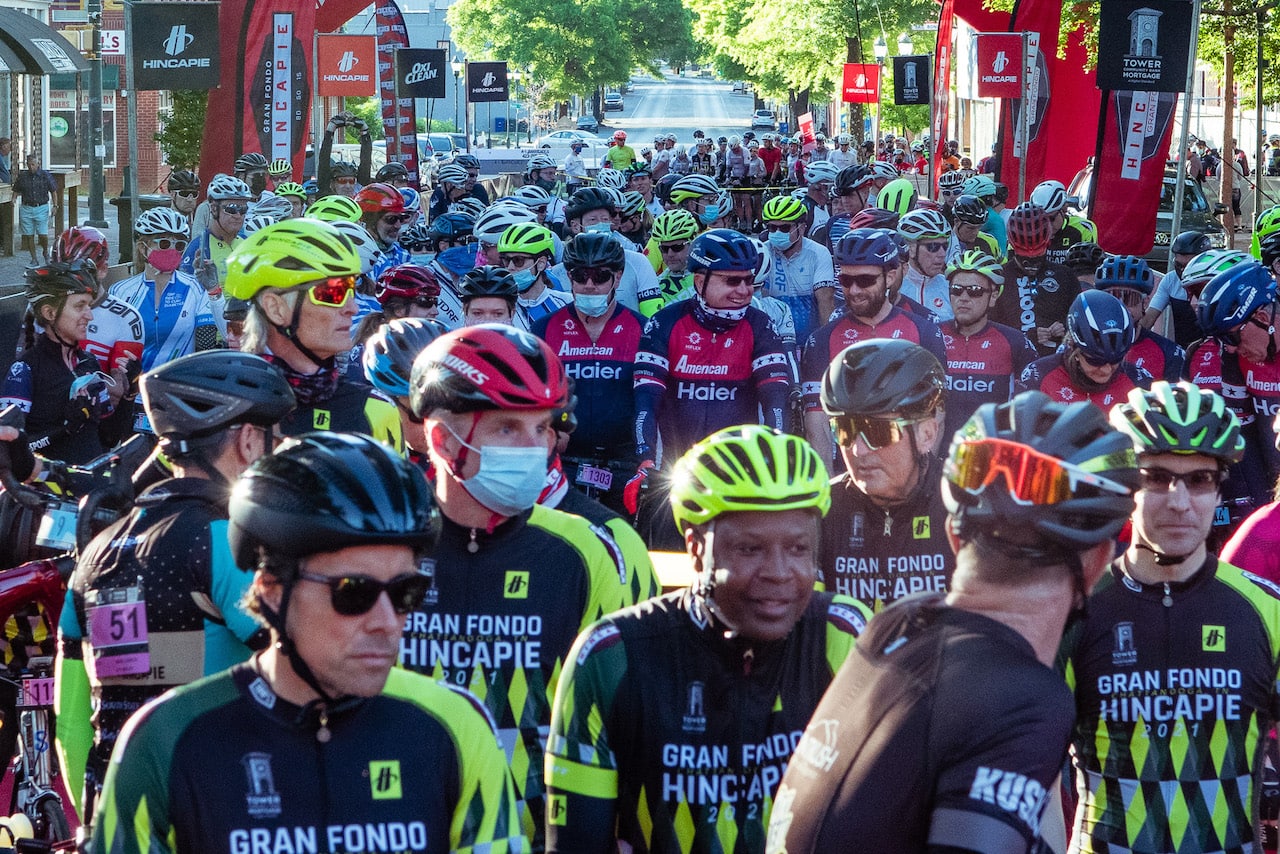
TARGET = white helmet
x,y
764,267
538,162
531,196
498,217
271,205
1050,195
259,220
366,247
161,221
224,186
823,170
735,140
451,173
883,169
921,223
844,139
469,205
611,178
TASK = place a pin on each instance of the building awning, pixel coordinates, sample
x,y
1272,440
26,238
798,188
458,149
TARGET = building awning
x,y
30,46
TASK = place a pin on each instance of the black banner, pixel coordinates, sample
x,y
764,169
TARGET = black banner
x,y
1143,45
422,72
486,81
911,79
175,45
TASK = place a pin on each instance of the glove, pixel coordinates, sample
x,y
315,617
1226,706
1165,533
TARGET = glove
x,y
207,276
16,457
360,125
631,492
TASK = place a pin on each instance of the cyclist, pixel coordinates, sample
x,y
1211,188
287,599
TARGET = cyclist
x,y
451,185
1067,229
947,728
408,290
1093,364
394,173
184,189
314,727
335,209
1083,259
634,221
383,214
488,295
984,358
848,199
734,663
620,155
984,189
803,272
207,250
819,182
924,281
867,258
387,360
1038,292
968,215
1130,280
673,233
299,279
592,209
514,581
527,251
1136,720
1172,295
163,573
950,188
296,195
116,328
574,167
700,196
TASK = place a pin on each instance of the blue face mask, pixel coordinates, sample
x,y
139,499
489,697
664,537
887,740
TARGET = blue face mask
x,y
509,480
524,279
599,228
593,305
780,239
709,214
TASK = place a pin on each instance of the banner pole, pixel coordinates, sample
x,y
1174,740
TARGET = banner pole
x,y
466,101
1178,188
933,104
317,107
1024,122
395,94
132,116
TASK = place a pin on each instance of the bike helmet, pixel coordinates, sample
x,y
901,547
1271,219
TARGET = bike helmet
x,y
471,206
531,196
969,209
407,282
251,161
86,243
1124,271
204,393
594,250
978,261
747,469
1180,419
882,170
485,367
224,186
326,491
1206,265
951,181
693,187
1002,193
783,209
899,196
821,172
56,281
311,186
662,187
380,199
611,179
620,135
467,161
288,254
1051,196
851,178
922,224
183,179
764,269
980,186
875,218
487,281
868,247
1084,258
586,200
279,168
334,209
1231,297
722,250
616,195
342,169
675,224
1191,243
415,238
639,168
271,205
371,254
527,239
161,221
450,226
253,222
1099,325
633,203
291,190
412,199
1029,230
393,171
1091,505
538,162
497,218
1269,246
390,352
451,173
1267,222
883,377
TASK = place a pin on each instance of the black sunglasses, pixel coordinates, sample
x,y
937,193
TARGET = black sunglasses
x,y
598,275
974,291
353,595
234,210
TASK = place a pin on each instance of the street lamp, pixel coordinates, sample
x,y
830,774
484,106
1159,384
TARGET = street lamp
x,y
881,50
905,46
457,78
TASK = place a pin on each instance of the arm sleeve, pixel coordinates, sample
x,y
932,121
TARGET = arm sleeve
x,y
363,173
133,811
72,706
650,383
771,371
322,161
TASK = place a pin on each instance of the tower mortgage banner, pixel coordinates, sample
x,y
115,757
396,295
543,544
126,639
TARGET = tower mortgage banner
x,y
175,45
1144,45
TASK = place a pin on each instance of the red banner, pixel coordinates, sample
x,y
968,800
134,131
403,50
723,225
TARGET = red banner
x,y
332,14
1000,65
941,85
347,65
1137,132
263,99
861,83
399,118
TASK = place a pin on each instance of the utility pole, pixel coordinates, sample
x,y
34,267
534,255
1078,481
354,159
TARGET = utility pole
x,y
97,148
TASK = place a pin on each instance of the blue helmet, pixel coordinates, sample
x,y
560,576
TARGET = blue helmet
x,y
390,352
723,249
1124,271
451,225
1099,325
1232,296
868,247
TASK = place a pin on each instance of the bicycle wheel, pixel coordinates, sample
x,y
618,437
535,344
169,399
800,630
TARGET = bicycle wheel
x,y
52,820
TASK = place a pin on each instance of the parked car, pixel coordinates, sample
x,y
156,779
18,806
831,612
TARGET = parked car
x,y
588,123
613,102
441,144
562,138
764,119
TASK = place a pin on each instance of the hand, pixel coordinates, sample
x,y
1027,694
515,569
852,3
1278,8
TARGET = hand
x,y
631,492
121,377
15,455
207,275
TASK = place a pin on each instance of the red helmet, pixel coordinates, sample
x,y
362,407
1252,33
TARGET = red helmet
x,y
1029,230
620,135
84,242
485,367
406,281
380,198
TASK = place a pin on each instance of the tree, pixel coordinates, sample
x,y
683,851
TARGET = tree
x,y
183,128
369,109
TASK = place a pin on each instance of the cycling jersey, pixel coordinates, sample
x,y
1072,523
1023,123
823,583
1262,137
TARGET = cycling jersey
x,y
164,576
532,312
671,738
1050,376
1158,356
392,256
602,371
878,554
633,551
982,368
797,278
328,402
691,381
829,341
1255,546
182,323
986,242
1031,300
114,323
228,765
942,729
1075,229
1175,689
930,293
502,613
669,287
996,229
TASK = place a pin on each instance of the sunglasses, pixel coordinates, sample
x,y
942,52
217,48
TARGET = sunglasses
x,y
861,281
1095,362
666,248
1198,482
178,243
595,275
332,292
1128,296
877,433
353,595
397,219
779,226
426,302
1232,336
951,192
933,246
346,182
1031,477
186,194
235,210
974,291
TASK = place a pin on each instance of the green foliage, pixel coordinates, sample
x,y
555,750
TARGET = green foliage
x,y
183,130
438,125
369,109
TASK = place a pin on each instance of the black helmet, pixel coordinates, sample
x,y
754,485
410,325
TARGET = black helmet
x,y
969,209
487,281
1191,243
882,377
1084,258
467,161
389,352
342,169
55,281
451,226
392,171
322,492
588,199
204,393
1270,248
662,187
416,238
594,250
183,179
1093,505
851,178
251,161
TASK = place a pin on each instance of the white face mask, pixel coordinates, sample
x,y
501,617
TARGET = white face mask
x,y
509,480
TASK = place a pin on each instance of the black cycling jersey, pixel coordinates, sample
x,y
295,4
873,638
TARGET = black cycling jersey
x,y
1036,300
880,554
942,729
228,765
327,401
1075,229
672,738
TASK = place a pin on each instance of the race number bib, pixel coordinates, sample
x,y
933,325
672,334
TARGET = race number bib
x,y
118,631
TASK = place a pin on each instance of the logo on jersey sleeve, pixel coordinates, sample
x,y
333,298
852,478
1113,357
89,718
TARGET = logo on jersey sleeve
x,y
557,810
1213,638
384,780
262,799
1125,652
818,745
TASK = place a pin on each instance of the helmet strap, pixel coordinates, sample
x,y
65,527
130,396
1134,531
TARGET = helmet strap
x,y
291,332
704,588
1080,596
287,648
1162,559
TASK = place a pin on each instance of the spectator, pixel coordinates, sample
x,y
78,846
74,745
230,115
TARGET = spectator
x,y
37,188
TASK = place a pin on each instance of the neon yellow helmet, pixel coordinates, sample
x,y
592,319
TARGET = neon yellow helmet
x,y
899,196
747,468
1267,222
1180,419
978,261
292,190
675,224
333,208
288,254
528,238
782,209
